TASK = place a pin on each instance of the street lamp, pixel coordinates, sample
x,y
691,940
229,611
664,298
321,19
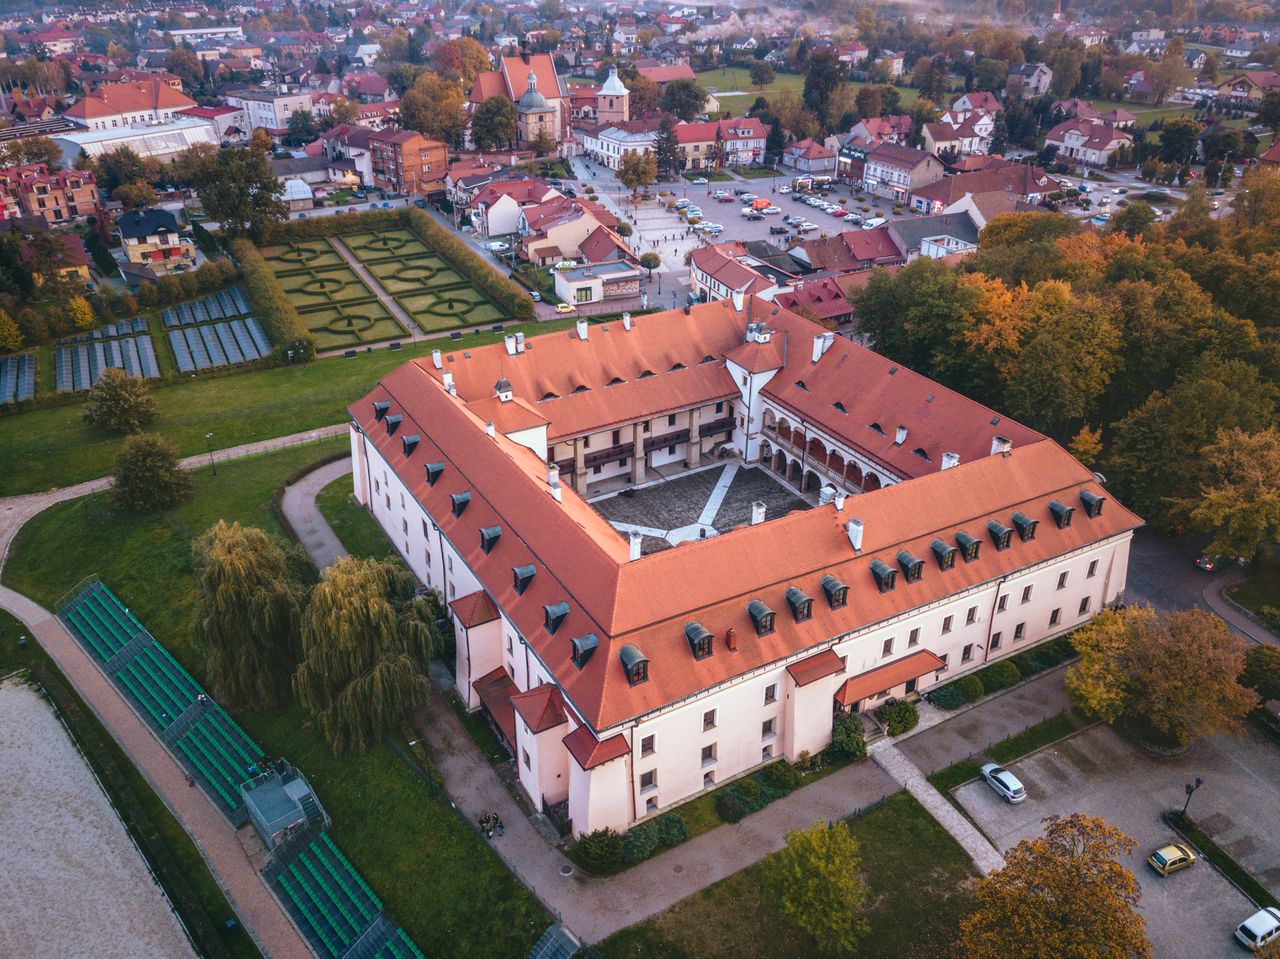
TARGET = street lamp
x,y
208,445
1190,788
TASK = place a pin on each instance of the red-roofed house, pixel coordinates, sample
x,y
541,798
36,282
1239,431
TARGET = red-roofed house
x,y
125,104
894,171
554,229
820,300
230,125
496,208
810,157
877,130
1086,141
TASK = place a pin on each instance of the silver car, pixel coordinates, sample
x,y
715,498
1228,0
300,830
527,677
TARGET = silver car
x,y
1005,783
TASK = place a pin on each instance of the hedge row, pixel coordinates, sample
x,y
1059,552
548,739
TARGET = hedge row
x,y
1002,674
501,290
316,228
605,851
271,304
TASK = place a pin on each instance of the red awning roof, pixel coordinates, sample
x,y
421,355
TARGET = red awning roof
x,y
474,609
541,708
886,677
810,670
495,690
588,752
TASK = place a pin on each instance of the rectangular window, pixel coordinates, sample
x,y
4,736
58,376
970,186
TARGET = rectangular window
x,y
651,804
524,756
946,664
887,650
425,534
404,526
967,653
1093,569
946,625
387,498
1084,606
649,780
1055,616
646,746
671,420
1026,594
914,638
1019,631
971,616
708,720
995,641
767,728
708,754
766,754
1002,604
508,644
720,407
1062,581
771,693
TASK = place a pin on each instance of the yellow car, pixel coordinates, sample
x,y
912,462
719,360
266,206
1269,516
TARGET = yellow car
x,y
564,307
1171,858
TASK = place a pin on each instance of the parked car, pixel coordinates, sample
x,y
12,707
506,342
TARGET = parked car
x,y
1212,562
771,211
719,193
1171,858
839,211
807,227
874,222
750,214
497,246
726,198
681,204
1005,783
784,190
1261,928
699,181
535,296
564,307
749,197
1120,191
740,191
778,230
853,218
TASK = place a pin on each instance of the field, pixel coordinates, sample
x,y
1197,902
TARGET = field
x,y
351,522
737,80
920,884
334,303
435,876
422,282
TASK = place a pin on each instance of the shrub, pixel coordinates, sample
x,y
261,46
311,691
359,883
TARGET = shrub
x,y
898,717
671,829
949,696
119,402
147,476
1000,675
970,687
781,776
468,262
729,807
847,741
1025,663
639,842
624,228
277,314
600,851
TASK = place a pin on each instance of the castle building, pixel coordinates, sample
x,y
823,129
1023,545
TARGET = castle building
x,y
849,532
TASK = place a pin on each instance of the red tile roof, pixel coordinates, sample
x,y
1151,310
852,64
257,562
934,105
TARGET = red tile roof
x,y
516,74
474,609
495,690
725,269
823,296
663,75
824,664
541,708
588,753
884,678
111,99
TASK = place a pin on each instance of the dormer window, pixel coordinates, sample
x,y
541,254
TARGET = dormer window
x,y
489,538
460,502
919,451
836,591
380,409
583,388
616,381
912,567
554,616
970,546
699,639
1061,513
706,359
877,427
839,406
677,366
762,617
634,664
434,472
801,605
1001,535
583,647
522,576
1026,526
410,443
393,424
646,374
801,385
944,553
1092,503
886,576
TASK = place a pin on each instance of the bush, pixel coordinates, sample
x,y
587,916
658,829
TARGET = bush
x,y
970,687
781,776
949,696
600,851
898,717
1000,675
624,228
1025,663
847,740
278,315
671,829
119,402
729,807
639,842
147,476
748,793
467,262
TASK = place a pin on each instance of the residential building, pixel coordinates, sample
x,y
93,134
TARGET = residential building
x,y
496,207
712,144
809,157
599,282
853,53
609,144
876,130
111,106
230,124
716,275
555,229
70,264
1026,183
893,172
153,239
979,100
850,251
1247,89
1027,81
269,109
625,680
935,237
1086,142
407,162
56,197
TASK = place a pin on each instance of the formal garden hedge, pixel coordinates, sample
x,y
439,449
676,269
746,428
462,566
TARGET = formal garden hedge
x,y
1002,674
277,314
501,290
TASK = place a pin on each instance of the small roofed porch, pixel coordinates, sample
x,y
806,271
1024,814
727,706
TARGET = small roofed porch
x,y
899,679
495,690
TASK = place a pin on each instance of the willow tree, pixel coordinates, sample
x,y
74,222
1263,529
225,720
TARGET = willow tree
x,y
250,597
366,640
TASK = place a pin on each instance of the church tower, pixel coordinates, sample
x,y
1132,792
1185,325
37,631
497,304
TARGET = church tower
x,y
613,102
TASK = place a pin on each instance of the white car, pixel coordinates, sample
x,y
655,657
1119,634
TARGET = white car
x,y
853,218
770,210
807,227
1005,783
699,181
874,222
1261,928
784,189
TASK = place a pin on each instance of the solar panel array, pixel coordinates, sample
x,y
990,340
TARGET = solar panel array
x,y
17,378
108,332
77,367
214,331
222,305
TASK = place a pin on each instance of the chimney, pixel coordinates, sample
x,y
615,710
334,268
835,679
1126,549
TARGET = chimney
x,y
553,481
636,541
510,342
757,513
839,501
854,529
827,339
900,437
949,460
731,639
488,430
817,348
738,298
826,495
1002,445
626,322
447,376
519,342
582,329
436,361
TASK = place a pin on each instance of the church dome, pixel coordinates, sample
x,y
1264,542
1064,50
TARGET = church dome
x,y
613,87
532,101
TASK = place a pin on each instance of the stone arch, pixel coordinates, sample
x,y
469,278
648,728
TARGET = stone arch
x,y
770,418
812,481
766,451
784,431
835,462
853,475
793,472
816,450
872,482
780,462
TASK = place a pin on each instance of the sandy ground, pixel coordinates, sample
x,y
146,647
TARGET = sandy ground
x,y
71,881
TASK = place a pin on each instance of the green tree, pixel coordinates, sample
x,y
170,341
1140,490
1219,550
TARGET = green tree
x,y
1239,497
249,601
650,261
1269,110
183,63
666,148
1065,893
239,191
775,143
990,75
1066,66
762,75
1133,220
637,170
1262,671
117,168
302,128
930,77
494,123
119,402
1178,139
684,99
824,75
869,102
815,881
435,107
343,110
10,335
1086,446
365,644
135,196
147,476
644,95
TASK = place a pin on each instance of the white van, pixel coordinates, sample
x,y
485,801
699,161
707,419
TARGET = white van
x,y
874,222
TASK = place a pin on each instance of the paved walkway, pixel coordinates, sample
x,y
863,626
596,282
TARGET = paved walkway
x,y
314,534
395,309
1215,598
984,855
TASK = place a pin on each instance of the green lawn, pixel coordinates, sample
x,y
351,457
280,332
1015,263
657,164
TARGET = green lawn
x,y
737,80
352,522
435,876
920,882
1260,592
1015,747
143,811
48,448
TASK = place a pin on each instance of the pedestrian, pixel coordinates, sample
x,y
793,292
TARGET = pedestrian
x,y
501,828
191,780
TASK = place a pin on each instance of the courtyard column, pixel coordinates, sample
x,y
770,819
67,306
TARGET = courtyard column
x,y
695,437
637,455
580,465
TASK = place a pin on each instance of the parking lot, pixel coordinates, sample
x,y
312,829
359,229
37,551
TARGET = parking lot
x,y
1191,914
